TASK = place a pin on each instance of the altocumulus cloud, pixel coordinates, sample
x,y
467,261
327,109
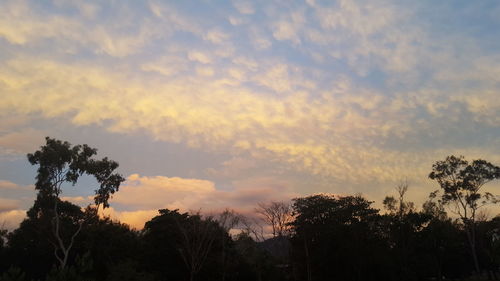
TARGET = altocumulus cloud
x,y
355,93
326,135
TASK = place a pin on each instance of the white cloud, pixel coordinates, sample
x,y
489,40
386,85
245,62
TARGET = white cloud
x,y
244,7
285,31
259,40
236,20
216,36
276,78
326,135
383,94
289,28
205,71
249,63
199,57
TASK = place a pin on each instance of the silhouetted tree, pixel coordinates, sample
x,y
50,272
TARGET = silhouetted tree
x,y
180,240
335,238
441,250
161,243
324,237
228,219
278,215
110,244
197,239
258,262
403,224
4,264
434,209
31,245
254,228
59,163
461,182
399,206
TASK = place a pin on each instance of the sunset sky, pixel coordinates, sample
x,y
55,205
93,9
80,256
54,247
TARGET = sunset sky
x,y
211,104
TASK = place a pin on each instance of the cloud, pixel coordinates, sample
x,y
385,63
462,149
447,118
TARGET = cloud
x,y
328,133
216,36
140,197
234,168
143,196
357,92
14,201
15,196
288,29
205,71
276,78
23,141
157,192
141,192
199,57
135,219
22,25
236,20
167,65
10,220
7,185
8,204
259,41
244,7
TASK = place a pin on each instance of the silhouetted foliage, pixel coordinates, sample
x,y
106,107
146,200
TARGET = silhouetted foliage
x,y
188,242
325,237
59,163
278,215
331,239
109,244
461,182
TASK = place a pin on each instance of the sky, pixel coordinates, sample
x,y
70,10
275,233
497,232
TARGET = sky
x,y
212,104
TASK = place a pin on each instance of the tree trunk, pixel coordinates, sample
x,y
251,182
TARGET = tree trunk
x,y
223,259
59,246
308,265
471,236
191,275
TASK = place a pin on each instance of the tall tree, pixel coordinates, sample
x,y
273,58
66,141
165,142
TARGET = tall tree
x,y
278,215
461,184
173,239
330,240
197,238
60,163
400,206
227,220
403,223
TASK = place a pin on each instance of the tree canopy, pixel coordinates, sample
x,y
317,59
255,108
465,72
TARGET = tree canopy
x,y
59,163
461,183
315,238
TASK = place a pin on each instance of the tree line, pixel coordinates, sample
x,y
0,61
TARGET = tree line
x,y
313,238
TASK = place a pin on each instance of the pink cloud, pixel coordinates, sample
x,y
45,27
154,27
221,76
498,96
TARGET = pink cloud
x,y
135,219
140,197
22,141
11,219
7,185
8,204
